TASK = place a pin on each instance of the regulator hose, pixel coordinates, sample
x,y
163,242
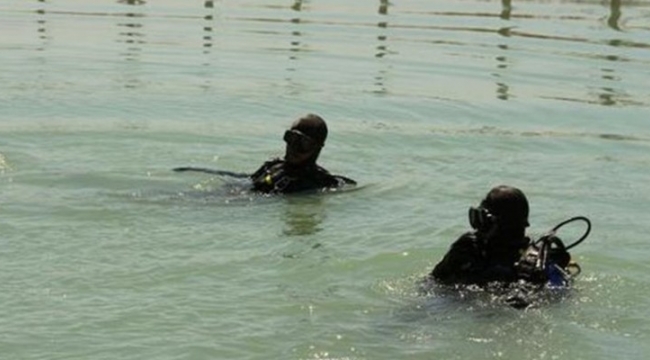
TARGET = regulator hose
x,y
582,238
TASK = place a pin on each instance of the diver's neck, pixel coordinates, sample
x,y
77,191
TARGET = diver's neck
x,y
302,166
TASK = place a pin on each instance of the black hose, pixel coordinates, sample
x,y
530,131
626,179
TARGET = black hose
x,y
583,237
212,171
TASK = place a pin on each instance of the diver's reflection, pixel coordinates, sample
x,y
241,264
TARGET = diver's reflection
x,y
303,215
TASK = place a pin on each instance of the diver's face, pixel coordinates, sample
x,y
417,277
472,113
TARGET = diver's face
x,y
300,147
505,236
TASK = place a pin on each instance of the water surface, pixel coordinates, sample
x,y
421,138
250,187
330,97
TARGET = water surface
x,y
106,253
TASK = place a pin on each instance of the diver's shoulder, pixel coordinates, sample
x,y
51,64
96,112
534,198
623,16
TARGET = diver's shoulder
x,y
469,241
339,179
469,237
274,161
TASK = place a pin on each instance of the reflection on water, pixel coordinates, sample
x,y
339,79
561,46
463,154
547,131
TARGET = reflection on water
x,y
572,51
608,95
428,96
208,43
615,14
297,5
132,2
294,47
208,28
303,216
41,22
43,42
382,47
383,24
605,95
131,33
502,60
506,8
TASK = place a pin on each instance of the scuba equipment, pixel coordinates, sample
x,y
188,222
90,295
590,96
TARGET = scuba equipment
x,y
481,219
547,260
272,177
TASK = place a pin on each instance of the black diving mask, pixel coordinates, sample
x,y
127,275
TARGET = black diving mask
x,y
481,219
302,142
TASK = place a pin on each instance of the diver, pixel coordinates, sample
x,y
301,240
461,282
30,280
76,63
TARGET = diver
x,y
498,250
297,171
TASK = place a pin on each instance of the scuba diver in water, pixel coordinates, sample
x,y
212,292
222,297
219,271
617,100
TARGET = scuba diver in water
x,y
498,250
297,171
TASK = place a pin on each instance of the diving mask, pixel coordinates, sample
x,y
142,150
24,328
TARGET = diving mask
x,y
300,141
480,218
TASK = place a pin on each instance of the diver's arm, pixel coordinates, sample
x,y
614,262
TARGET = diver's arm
x,y
344,180
459,264
327,180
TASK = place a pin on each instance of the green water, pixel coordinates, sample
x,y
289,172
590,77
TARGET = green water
x,y
105,253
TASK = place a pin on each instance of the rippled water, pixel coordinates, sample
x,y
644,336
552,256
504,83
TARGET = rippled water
x,y
106,253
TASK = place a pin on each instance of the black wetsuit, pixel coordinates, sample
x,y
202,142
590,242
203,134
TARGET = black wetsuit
x,y
471,260
279,177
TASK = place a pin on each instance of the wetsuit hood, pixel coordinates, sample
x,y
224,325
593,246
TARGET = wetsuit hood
x,y
510,206
314,127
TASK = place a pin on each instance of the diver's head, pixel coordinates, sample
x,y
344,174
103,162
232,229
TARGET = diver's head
x,y
305,139
504,209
